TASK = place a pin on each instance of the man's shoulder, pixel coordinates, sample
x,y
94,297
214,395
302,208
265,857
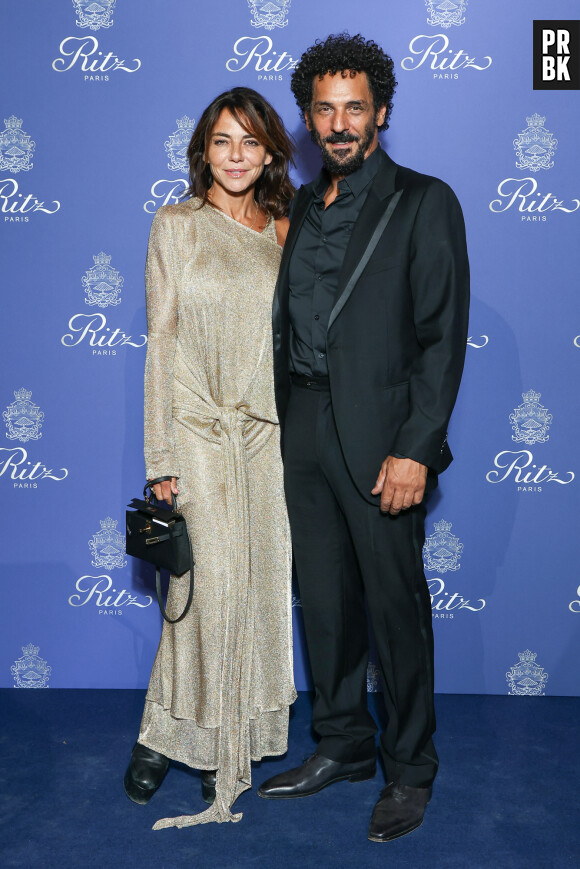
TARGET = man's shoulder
x,y
420,184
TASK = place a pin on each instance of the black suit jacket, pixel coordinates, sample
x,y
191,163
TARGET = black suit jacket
x,y
397,335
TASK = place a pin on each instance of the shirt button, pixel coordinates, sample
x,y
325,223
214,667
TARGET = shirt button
x,y
321,355
324,239
316,317
318,277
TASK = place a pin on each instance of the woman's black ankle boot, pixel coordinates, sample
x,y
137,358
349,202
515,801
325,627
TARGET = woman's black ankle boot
x,y
208,777
146,771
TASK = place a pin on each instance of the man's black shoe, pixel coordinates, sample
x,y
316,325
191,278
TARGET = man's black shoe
x,y
146,771
399,811
315,774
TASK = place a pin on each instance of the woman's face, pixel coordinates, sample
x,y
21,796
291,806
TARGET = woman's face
x,y
236,157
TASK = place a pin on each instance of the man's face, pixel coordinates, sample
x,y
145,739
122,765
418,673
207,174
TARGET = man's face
x,y
343,122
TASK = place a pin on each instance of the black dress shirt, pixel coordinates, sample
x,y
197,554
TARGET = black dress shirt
x,y
316,262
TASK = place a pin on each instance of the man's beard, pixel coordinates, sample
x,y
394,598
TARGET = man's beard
x,y
351,161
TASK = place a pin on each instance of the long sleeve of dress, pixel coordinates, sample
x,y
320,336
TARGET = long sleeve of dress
x,y
162,274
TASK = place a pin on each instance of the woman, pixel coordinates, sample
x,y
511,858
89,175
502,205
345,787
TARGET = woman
x,y
222,680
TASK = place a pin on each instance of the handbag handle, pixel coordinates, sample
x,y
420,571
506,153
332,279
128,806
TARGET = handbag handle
x,y
148,493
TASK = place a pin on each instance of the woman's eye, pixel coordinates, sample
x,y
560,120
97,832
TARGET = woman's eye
x,y
252,142
219,141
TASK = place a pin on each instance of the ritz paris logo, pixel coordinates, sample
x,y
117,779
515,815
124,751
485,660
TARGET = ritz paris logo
x,y
535,147
24,420
531,423
442,553
434,51
102,286
167,191
84,53
258,52
107,548
16,155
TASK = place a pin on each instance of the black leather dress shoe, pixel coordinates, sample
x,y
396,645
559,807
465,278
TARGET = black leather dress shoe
x,y
399,811
208,777
315,774
146,771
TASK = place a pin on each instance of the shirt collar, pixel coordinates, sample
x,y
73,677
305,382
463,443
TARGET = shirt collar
x,y
355,182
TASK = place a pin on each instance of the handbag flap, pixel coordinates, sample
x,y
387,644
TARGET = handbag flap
x,y
160,514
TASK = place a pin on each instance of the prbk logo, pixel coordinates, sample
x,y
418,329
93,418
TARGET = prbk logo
x,y
434,51
84,53
16,150
102,283
23,418
108,546
535,147
258,52
530,422
30,671
442,553
102,286
94,15
446,14
557,55
166,191
527,678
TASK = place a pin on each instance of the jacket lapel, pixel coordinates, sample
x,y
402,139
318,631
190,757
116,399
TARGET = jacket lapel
x,y
383,187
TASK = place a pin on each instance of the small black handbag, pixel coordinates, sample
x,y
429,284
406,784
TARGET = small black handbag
x,y
159,535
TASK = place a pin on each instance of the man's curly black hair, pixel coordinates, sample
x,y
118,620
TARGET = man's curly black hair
x,y
339,53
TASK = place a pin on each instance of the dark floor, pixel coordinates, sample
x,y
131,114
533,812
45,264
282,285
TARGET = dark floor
x,y
505,795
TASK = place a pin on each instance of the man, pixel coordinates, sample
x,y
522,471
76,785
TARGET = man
x,y
370,328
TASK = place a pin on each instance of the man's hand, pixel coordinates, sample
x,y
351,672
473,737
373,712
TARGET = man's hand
x,y
401,483
163,490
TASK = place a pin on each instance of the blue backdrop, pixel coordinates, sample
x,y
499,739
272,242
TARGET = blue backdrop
x,y
100,99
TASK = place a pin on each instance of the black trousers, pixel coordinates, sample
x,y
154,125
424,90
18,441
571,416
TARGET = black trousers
x,y
345,549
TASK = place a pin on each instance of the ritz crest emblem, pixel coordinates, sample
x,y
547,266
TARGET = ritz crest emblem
x,y
442,550
530,420
102,283
526,677
535,146
108,546
373,678
446,14
23,418
269,15
94,15
30,671
176,145
16,147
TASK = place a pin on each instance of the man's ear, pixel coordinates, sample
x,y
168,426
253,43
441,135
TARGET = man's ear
x,y
381,116
308,121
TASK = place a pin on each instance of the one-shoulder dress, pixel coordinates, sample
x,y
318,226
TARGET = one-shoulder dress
x,y
222,679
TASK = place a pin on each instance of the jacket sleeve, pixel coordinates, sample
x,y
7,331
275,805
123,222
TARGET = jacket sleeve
x,y
439,279
162,274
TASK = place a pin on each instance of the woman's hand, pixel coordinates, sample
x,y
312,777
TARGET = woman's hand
x,y
163,490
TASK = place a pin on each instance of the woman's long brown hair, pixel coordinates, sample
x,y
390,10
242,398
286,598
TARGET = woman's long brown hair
x,y
274,190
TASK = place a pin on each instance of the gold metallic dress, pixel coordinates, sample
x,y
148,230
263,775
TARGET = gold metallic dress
x,y
222,679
